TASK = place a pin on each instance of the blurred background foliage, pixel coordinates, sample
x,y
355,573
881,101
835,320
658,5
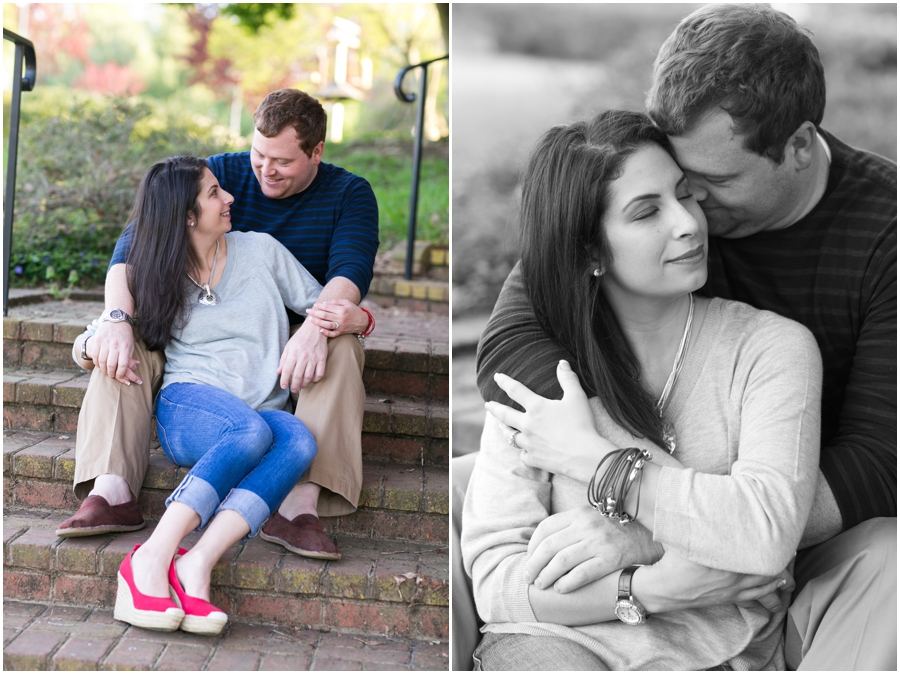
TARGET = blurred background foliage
x,y
120,86
520,69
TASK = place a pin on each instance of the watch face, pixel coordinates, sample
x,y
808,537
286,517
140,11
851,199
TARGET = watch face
x,y
117,314
629,613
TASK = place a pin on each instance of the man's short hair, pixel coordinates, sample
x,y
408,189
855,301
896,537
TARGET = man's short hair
x,y
290,107
753,62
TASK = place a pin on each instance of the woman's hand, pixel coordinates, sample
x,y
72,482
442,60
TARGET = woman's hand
x,y
554,435
577,547
338,317
675,583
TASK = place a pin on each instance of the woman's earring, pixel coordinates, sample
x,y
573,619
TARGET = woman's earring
x,y
598,272
191,224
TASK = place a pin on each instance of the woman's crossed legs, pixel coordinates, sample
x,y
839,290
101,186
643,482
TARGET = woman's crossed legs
x,y
244,463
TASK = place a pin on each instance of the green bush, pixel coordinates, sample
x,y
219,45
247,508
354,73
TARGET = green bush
x,y
79,167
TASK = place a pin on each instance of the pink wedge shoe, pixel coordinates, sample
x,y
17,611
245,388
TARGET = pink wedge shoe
x,y
200,617
136,608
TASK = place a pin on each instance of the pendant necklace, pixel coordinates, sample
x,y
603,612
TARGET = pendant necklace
x,y
207,296
668,427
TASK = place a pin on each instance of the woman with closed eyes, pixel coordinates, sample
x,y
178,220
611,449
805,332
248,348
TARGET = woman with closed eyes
x,y
700,423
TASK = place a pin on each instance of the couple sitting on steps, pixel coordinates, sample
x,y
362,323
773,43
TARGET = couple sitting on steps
x,y
195,331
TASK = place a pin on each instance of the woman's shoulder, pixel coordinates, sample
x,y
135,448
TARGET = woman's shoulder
x,y
749,328
259,242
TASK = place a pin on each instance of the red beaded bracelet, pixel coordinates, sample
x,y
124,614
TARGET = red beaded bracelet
x,y
370,327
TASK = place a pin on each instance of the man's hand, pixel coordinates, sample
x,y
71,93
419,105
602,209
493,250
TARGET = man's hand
x,y
338,317
675,583
577,547
111,348
303,359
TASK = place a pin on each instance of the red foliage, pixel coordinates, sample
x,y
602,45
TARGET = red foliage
x,y
110,78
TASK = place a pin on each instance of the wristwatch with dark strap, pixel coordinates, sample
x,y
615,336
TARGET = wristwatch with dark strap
x,y
628,610
84,355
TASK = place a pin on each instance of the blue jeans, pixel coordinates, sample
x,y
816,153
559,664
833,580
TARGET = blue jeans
x,y
243,460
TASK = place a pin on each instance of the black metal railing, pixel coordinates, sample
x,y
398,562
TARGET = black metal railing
x,y
21,82
417,148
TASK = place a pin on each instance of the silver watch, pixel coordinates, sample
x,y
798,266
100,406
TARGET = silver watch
x,y
628,609
116,316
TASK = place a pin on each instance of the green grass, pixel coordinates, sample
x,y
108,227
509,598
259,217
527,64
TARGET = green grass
x,y
388,168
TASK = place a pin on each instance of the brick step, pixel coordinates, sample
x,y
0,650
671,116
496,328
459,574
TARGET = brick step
x,y
395,364
391,588
398,501
399,429
43,637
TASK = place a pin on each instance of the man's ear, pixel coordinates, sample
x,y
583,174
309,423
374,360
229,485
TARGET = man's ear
x,y
317,152
801,145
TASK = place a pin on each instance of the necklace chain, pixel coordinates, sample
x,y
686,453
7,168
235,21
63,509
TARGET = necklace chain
x,y
673,376
210,296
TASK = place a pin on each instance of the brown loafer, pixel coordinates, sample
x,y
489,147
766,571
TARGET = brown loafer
x,y
303,535
96,516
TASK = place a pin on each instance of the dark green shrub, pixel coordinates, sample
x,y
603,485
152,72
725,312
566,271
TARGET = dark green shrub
x,y
78,172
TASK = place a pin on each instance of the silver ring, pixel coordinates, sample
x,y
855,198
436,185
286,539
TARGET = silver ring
x,y
336,325
512,440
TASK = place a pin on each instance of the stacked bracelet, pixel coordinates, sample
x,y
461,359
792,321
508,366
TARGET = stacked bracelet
x,y
607,492
369,328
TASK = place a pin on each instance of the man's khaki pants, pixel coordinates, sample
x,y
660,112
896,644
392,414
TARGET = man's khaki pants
x,y
114,426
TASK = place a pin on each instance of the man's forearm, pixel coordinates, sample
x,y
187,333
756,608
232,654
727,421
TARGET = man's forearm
x,y
824,518
340,288
116,294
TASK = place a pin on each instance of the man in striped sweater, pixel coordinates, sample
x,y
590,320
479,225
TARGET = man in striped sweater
x,y
328,218
803,225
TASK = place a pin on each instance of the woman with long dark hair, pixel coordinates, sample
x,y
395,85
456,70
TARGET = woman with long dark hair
x,y
702,426
214,300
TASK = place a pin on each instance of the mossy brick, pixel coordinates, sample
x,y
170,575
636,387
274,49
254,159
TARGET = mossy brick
x,y
389,383
433,567
35,391
349,578
85,590
223,572
414,356
401,289
31,650
396,498
392,580
38,329
10,382
436,294
440,358
27,585
436,502
112,555
152,502
161,473
410,419
377,417
70,393
11,328
419,291
134,654
64,466
299,575
37,460
81,554
67,332
380,358
32,550
440,422
254,568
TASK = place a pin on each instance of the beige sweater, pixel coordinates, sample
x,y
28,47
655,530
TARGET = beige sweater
x,y
746,412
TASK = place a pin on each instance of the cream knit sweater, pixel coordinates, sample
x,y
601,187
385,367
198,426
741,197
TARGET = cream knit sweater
x,y
746,412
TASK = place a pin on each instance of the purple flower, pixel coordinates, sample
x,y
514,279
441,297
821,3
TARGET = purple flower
x,y
95,262
81,254
46,259
18,269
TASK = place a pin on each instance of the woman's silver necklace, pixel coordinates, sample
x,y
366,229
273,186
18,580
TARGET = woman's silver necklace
x,y
668,427
207,296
